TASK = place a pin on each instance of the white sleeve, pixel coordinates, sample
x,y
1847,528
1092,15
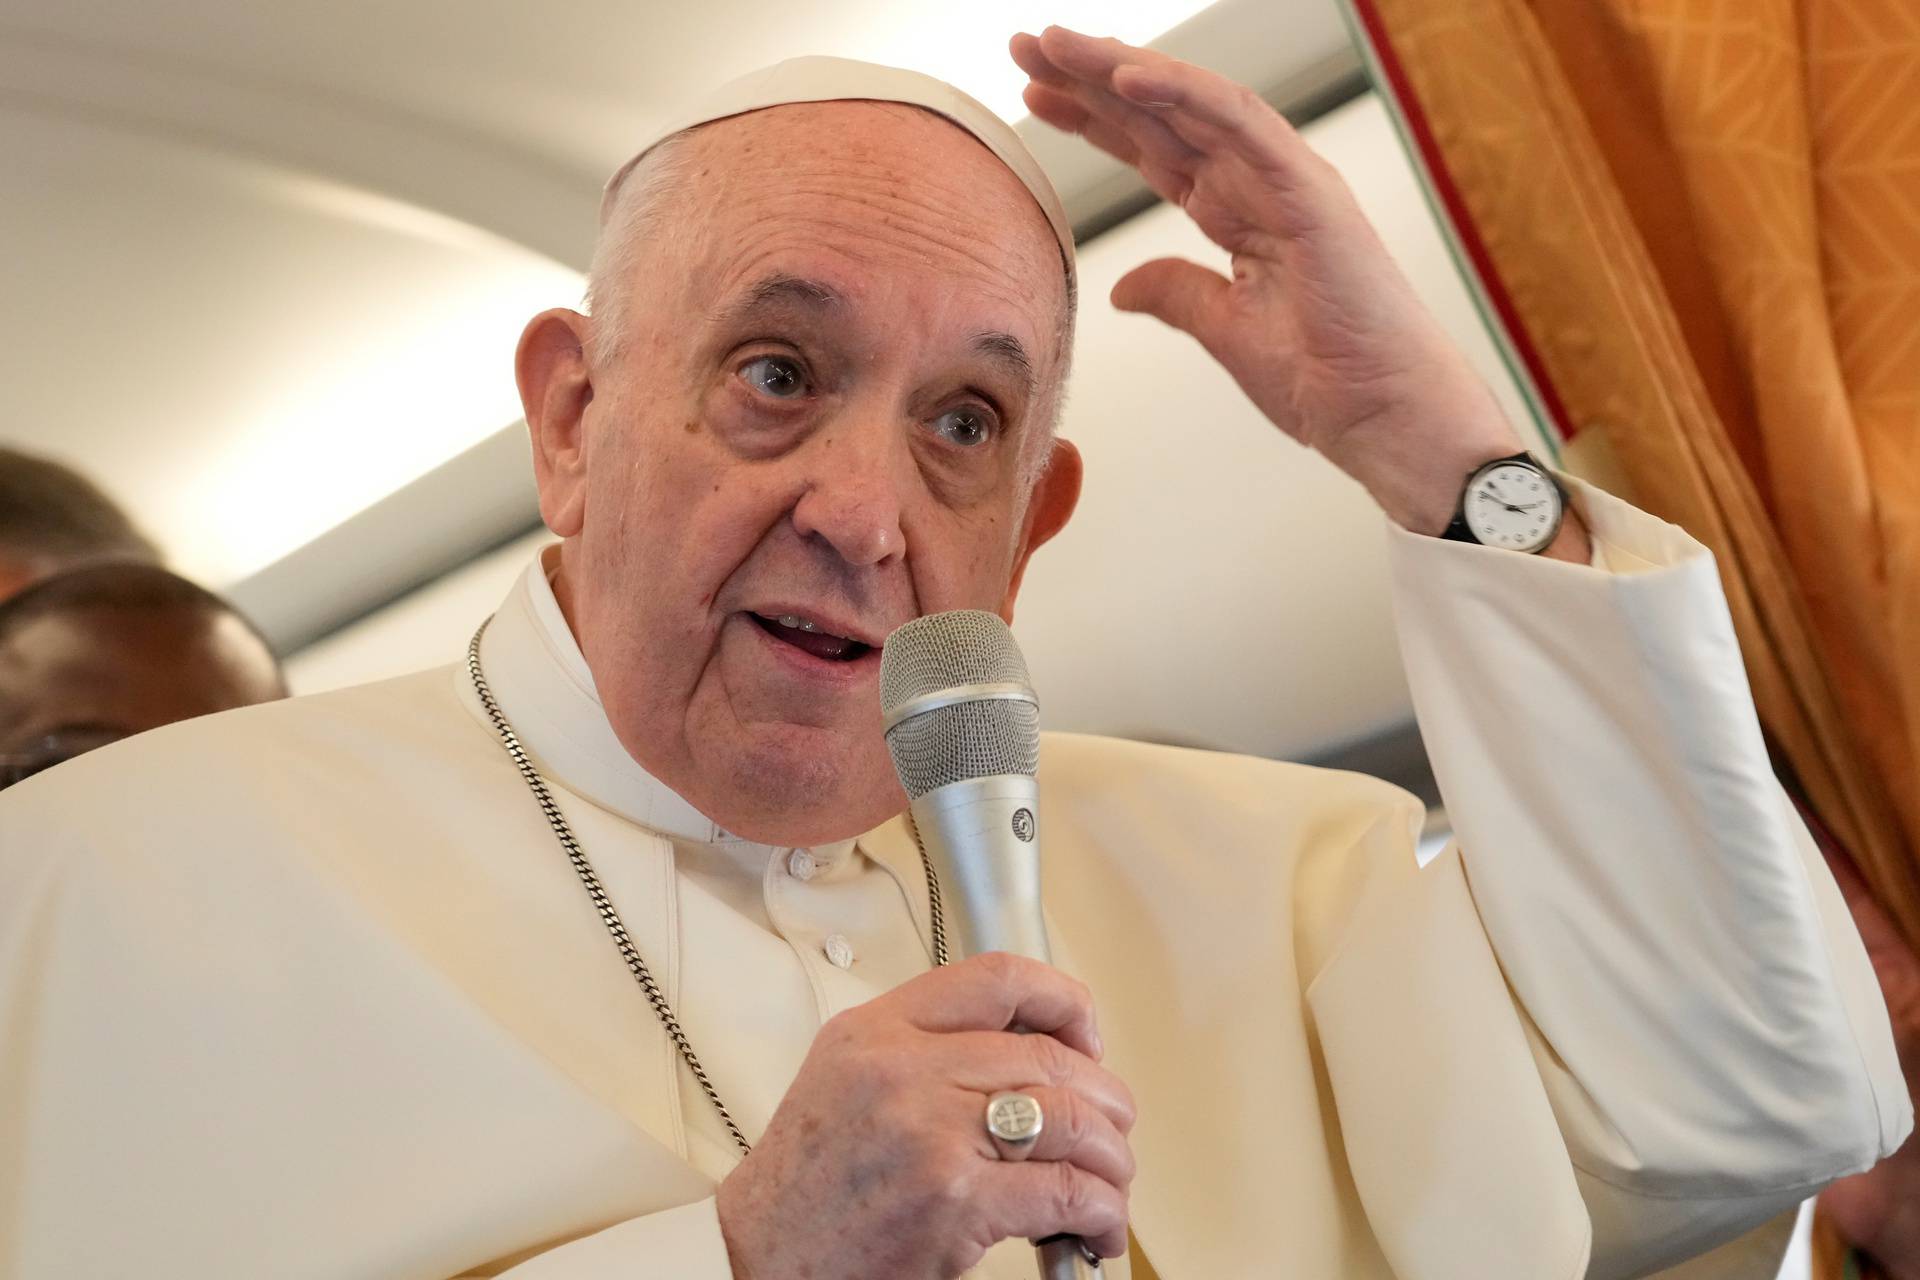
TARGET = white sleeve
x,y
1702,1011
684,1243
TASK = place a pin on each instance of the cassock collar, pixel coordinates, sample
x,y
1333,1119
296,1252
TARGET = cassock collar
x,y
545,689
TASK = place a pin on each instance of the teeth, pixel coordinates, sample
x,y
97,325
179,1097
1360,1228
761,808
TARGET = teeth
x,y
796,622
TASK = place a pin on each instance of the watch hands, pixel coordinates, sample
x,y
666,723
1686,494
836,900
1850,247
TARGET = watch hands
x,y
1497,496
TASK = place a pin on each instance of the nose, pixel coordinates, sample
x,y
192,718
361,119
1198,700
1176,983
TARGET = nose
x,y
853,498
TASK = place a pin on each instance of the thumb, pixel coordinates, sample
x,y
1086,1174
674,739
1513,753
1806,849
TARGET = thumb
x,y
1183,294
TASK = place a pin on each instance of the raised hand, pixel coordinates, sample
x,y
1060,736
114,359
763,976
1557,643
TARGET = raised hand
x,y
878,1164
1316,322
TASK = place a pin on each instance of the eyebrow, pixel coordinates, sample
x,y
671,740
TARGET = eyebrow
x,y
781,289
1006,351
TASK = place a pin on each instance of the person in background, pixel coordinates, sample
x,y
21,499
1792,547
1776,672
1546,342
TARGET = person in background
x,y
53,518
103,652
1878,1212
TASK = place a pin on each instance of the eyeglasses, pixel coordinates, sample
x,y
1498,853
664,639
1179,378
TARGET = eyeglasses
x,y
55,748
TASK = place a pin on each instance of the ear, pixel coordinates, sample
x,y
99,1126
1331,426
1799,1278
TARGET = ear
x,y
1055,496
555,390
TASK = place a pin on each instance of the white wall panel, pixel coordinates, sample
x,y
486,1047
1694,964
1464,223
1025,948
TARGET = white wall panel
x,y
426,628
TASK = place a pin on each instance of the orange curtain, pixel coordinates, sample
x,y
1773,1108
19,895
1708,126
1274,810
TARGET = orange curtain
x,y
1695,226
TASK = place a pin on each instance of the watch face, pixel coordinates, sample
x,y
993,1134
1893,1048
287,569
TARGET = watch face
x,y
1513,506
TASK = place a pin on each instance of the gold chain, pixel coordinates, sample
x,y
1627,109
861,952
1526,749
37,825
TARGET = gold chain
x,y
603,904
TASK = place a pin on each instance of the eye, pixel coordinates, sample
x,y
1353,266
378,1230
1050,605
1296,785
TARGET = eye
x,y
968,426
776,376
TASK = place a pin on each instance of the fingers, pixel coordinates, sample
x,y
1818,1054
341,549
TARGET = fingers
x,y
1091,58
1073,1130
1198,103
1088,106
1200,110
1029,57
1139,141
1042,1198
990,1062
1183,294
1061,109
997,992
1095,93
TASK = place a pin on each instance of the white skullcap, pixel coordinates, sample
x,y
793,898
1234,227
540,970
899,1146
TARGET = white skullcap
x,y
818,79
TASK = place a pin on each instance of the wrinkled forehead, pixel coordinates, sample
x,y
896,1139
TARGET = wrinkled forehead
x,y
874,173
885,219
861,166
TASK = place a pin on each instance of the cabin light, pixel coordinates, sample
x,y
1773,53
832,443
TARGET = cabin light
x,y
371,402
966,45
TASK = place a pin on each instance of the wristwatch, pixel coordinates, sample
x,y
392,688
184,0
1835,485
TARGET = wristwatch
x,y
1512,503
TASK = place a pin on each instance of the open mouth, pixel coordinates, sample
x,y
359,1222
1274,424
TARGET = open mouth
x,y
808,637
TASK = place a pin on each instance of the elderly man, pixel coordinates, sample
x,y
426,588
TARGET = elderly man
x,y
605,952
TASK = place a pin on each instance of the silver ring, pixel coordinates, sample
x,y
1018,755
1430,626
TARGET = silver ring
x,y
1015,1119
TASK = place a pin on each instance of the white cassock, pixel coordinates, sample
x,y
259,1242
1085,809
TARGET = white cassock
x,y
308,990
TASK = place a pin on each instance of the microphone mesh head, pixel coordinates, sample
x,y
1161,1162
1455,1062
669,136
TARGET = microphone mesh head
x,y
941,650
978,739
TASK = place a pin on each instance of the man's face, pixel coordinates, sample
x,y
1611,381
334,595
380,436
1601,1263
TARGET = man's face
x,y
841,364
79,678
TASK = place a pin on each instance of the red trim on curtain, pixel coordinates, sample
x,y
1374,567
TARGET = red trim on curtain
x,y
1464,229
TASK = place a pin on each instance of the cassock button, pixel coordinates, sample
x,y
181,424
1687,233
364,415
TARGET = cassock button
x,y
800,865
839,952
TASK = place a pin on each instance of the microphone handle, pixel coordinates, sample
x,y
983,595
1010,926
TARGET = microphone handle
x,y
987,856
1066,1258
983,837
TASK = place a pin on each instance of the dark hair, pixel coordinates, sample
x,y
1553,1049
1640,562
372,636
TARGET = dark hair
x,y
116,584
48,510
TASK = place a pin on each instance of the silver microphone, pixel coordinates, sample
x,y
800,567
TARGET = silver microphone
x,y
963,727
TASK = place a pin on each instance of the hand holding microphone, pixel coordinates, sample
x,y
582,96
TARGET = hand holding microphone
x,y
963,727
878,1165
880,1161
